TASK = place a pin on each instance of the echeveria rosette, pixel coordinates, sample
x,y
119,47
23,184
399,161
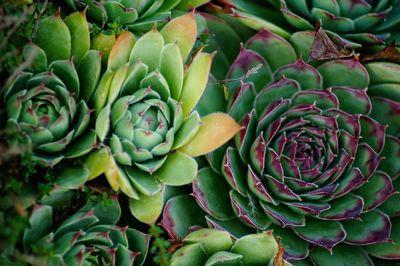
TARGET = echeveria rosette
x,y
145,122
308,162
88,237
213,247
362,22
45,101
134,15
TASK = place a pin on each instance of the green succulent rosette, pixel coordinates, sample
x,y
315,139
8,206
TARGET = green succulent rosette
x,y
361,22
44,102
87,237
213,247
134,15
145,123
315,162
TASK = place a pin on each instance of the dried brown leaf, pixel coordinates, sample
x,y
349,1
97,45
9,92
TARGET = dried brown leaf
x,y
390,53
278,260
326,48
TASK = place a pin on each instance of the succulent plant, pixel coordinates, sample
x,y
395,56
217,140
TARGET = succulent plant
x,y
135,15
215,247
145,122
314,162
87,237
311,163
368,22
44,101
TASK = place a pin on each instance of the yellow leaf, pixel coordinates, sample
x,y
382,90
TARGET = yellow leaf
x,y
102,161
112,172
117,179
97,162
216,129
121,50
182,31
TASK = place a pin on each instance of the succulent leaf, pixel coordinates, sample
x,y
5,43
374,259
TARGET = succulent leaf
x,y
120,51
103,43
176,225
59,46
79,30
195,81
182,31
147,208
223,128
178,160
212,240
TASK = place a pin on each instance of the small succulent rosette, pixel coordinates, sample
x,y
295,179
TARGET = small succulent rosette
x,y
135,15
45,102
87,237
358,22
213,247
145,123
316,158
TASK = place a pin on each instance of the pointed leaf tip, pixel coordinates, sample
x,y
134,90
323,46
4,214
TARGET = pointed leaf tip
x,y
183,31
97,162
148,49
58,47
216,129
80,35
195,81
121,50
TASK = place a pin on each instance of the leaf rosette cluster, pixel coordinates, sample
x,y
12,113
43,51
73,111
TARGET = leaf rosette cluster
x,y
315,159
148,130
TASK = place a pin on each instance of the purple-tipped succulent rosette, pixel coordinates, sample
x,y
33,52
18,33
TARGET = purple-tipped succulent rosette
x,y
314,161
